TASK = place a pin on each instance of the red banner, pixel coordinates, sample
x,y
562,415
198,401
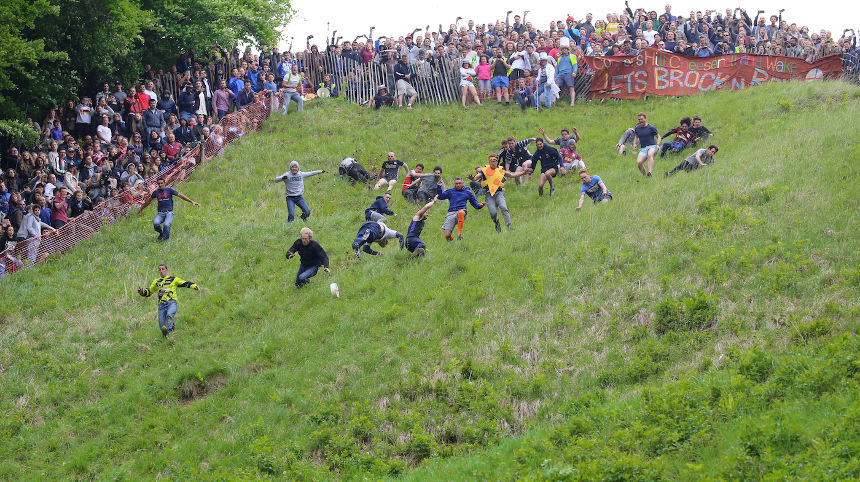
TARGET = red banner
x,y
657,72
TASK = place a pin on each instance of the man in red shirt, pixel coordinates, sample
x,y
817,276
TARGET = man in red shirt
x,y
172,147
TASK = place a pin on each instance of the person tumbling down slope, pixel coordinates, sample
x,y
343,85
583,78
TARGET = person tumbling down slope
x,y
374,231
457,198
294,185
593,187
700,158
413,239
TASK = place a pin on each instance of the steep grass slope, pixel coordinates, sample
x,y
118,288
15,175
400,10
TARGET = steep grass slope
x,y
703,325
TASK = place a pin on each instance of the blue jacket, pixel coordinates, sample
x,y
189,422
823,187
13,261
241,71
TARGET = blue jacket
x,y
457,199
379,206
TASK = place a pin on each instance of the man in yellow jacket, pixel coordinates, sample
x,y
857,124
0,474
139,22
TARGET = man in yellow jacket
x,y
165,286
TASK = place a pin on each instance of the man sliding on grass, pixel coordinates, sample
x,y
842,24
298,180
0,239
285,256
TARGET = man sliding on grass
x,y
374,231
700,158
593,187
166,287
457,198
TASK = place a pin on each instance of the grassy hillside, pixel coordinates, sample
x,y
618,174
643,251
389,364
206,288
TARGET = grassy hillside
x,y
700,326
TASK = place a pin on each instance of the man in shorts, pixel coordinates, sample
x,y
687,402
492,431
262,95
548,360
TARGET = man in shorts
x,y
413,240
390,171
701,158
645,134
565,74
457,198
516,155
550,161
403,77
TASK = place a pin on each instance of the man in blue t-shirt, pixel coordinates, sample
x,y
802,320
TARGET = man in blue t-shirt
x,y
593,187
645,134
164,217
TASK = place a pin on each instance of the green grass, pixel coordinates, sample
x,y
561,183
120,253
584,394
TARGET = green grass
x,y
702,326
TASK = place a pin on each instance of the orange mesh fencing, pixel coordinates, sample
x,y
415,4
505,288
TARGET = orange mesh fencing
x,y
39,248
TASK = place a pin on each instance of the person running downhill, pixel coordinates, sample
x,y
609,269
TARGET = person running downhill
x,y
413,239
550,161
645,134
311,254
492,179
379,207
457,198
294,186
166,285
593,187
164,218
374,231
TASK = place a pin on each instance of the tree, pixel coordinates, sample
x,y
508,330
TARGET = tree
x,y
200,24
20,54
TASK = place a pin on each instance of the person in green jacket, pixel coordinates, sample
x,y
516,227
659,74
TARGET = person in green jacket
x,y
165,286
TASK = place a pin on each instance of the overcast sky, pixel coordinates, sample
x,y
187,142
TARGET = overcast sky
x,y
352,18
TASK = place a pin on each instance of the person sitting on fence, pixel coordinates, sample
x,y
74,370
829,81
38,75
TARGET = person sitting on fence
x,y
292,89
382,98
402,78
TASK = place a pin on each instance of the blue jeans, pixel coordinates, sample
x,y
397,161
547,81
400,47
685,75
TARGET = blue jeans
x,y
222,113
674,146
166,314
187,115
288,96
292,202
305,273
542,89
162,223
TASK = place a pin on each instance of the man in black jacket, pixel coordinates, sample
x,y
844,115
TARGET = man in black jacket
x,y
187,103
245,96
402,78
312,256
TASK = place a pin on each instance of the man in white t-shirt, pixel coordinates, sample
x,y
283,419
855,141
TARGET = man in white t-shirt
x,y
150,92
104,134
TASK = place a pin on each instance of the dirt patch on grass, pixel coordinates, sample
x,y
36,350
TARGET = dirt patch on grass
x,y
195,388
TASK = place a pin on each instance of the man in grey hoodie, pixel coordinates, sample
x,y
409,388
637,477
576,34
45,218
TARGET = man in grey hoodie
x,y
294,182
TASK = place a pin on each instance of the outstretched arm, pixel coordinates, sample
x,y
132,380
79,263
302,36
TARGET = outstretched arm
x,y
581,202
144,205
424,209
311,173
545,138
186,198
